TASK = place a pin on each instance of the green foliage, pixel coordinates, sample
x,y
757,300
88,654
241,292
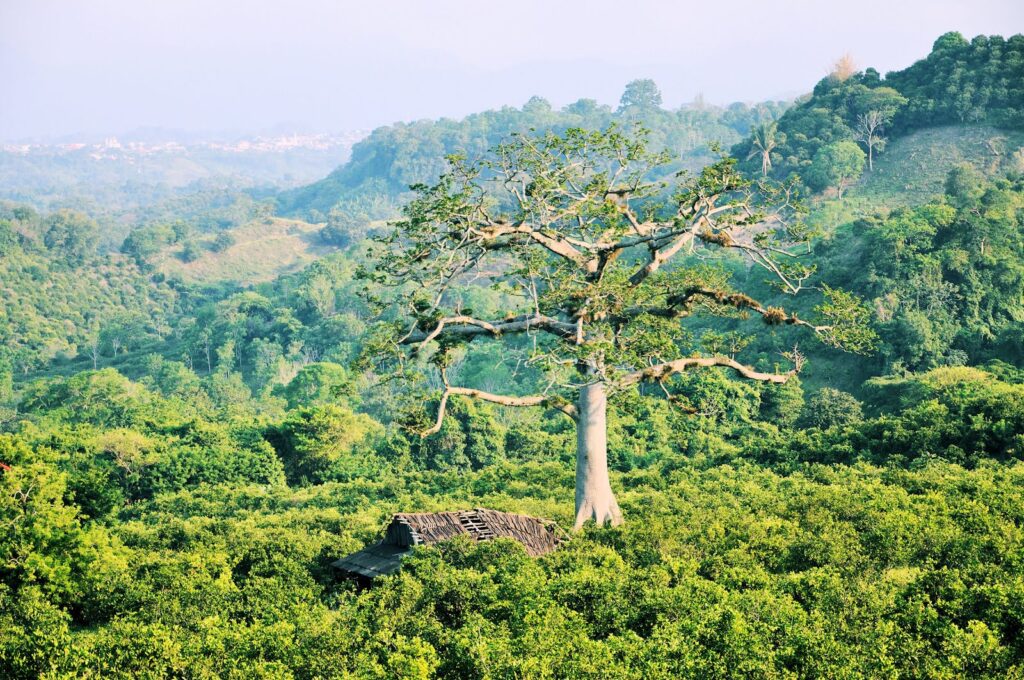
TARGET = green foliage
x,y
35,634
164,539
963,81
190,252
825,571
317,384
103,398
330,442
965,183
6,380
959,414
830,115
848,319
52,311
222,242
944,279
829,407
175,512
470,439
783,404
124,442
835,165
341,226
642,95
71,235
144,243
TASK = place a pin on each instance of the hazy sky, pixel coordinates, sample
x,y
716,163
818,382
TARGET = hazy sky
x,y
97,66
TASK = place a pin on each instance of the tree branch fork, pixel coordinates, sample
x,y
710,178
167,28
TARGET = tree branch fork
x,y
657,373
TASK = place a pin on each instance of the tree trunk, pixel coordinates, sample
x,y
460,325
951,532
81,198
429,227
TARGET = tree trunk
x,y
594,497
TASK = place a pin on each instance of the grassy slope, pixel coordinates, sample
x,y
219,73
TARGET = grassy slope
x,y
913,169
262,251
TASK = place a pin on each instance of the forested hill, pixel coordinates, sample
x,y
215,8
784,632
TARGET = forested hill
x,y
62,298
960,82
383,166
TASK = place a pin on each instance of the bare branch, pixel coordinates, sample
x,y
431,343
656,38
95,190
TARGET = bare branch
x,y
555,244
503,400
680,304
661,255
467,326
442,407
662,371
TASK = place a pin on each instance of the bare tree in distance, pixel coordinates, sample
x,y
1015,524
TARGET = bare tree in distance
x,y
868,132
878,106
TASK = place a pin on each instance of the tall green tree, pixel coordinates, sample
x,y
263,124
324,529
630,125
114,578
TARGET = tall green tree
x,y
586,249
642,94
836,165
71,234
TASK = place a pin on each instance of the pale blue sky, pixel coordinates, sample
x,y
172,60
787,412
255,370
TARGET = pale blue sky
x,y
98,66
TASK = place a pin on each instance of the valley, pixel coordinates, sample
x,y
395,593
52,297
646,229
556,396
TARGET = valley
x,y
760,366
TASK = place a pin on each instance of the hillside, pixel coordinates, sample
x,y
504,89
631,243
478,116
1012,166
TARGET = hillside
x,y
43,316
851,118
773,452
61,299
131,183
910,172
262,250
913,169
372,184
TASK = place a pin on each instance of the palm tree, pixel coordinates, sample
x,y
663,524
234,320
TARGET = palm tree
x,y
762,144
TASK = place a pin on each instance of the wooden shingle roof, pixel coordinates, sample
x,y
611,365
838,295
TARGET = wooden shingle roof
x,y
373,561
408,529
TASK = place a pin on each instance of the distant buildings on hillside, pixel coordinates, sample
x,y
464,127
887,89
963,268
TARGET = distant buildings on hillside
x,y
113,148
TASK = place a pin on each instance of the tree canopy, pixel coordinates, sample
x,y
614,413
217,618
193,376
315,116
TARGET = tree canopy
x,y
585,247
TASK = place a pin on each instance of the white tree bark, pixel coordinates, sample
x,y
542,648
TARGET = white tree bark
x,y
594,497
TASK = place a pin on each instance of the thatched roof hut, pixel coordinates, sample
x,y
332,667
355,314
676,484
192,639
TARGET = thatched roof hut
x,y
408,529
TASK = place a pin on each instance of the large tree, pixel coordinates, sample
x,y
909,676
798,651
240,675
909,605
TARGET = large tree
x,y
601,264
70,234
836,165
642,94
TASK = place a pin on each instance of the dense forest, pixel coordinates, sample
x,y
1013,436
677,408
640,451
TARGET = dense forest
x,y
181,460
